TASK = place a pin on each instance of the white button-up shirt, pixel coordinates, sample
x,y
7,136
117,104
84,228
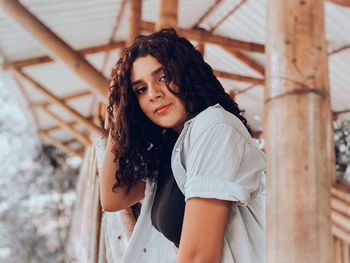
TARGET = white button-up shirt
x,y
214,157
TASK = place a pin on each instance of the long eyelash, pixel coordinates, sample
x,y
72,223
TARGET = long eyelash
x,y
139,91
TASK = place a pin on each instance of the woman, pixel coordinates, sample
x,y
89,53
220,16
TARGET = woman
x,y
167,107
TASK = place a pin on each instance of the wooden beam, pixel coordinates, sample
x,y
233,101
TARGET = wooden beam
x,y
102,48
58,47
205,36
26,97
341,112
53,99
147,26
58,144
340,206
77,95
28,62
345,252
117,21
207,13
339,50
113,34
53,128
340,233
134,20
345,3
340,220
65,99
341,195
246,60
168,14
80,137
67,142
245,89
299,139
232,94
227,15
46,59
337,250
201,48
237,77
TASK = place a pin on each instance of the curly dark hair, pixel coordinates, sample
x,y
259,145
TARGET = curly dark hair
x,y
142,148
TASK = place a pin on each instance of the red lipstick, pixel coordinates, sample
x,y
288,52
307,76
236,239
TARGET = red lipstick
x,y
161,109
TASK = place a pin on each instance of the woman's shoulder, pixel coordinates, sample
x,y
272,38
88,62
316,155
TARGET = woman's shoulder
x,y
216,114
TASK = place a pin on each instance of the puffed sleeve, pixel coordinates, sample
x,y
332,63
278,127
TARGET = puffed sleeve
x,y
223,164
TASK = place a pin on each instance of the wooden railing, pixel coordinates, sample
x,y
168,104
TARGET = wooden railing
x,y
97,237
340,217
84,235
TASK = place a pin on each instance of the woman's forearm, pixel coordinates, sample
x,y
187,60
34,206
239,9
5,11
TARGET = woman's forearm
x,y
198,257
203,229
109,168
118,200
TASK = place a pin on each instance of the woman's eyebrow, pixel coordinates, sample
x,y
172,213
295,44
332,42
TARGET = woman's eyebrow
x,y
154,72
135,83
157,70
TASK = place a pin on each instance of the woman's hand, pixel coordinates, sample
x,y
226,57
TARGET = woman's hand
x,y
203,230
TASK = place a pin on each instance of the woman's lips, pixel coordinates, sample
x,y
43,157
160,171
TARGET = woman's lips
x,y
161,109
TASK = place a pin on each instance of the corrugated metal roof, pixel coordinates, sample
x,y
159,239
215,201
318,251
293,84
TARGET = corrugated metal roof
x,y
247,23
90,23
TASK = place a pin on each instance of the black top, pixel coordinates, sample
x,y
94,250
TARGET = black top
x,y
168,208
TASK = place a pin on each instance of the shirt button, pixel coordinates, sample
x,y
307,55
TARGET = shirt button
x,y
177,149
144,250
119,237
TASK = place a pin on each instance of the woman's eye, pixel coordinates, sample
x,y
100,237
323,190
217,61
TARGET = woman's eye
x,y
141,90
162,79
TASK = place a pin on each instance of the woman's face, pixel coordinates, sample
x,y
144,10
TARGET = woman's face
x,y
161,106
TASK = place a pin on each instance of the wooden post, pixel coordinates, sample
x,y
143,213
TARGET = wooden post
x,y
134,20
298,134
167,17
58,47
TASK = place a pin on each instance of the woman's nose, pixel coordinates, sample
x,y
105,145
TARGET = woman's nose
x,y
155,91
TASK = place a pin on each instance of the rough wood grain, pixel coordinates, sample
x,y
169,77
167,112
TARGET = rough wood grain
x,y
298,133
